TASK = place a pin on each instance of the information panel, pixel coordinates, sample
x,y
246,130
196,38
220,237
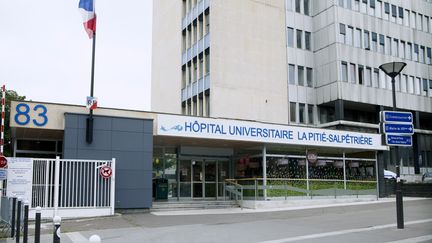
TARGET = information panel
x,y
19,178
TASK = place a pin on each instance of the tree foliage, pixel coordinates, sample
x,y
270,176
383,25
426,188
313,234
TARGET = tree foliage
x,y
10,95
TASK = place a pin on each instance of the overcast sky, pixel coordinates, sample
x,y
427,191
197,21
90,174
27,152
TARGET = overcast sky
x,y
45,54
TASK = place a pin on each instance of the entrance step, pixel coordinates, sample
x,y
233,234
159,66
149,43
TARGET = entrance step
x,y
192,205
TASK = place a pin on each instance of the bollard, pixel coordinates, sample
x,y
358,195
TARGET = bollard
x,y
14,199
26,212
57,231
18,221
37,224
94,239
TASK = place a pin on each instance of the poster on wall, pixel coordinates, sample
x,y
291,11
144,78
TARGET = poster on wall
x,y
19,180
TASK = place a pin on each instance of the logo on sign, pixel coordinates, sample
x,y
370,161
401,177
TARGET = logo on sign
x,y
91,103
105,171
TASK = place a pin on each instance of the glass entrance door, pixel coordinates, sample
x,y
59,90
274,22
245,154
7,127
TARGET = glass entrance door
x,y
210,179
197,179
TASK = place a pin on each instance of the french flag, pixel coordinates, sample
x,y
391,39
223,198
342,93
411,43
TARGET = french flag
x,y
87,9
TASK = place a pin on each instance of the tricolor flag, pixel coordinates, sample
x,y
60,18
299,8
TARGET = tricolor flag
x,y
87,9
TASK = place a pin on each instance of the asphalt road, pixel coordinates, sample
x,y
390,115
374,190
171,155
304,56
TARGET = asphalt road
x,y
374,222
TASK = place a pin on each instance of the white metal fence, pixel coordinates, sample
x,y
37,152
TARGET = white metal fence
x,y
69,187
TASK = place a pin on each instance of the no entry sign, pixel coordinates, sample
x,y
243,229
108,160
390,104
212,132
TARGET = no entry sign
x,y
3,161
105,171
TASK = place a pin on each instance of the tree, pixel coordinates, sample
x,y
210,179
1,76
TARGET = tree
x,y
10,95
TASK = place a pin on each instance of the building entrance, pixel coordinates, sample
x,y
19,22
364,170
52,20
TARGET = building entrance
x,y
202,179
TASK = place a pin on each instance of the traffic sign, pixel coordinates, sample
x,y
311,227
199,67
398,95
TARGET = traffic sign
x,y
398,140
3,161
396,116
398,128
105,171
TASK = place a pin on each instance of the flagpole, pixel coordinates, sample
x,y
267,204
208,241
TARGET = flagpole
x,y
89,132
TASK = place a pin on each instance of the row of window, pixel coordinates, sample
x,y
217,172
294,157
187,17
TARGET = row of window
x,y
300,6
374,77
384,44
304,115
300,42
196,69
302,73
199,28
391,13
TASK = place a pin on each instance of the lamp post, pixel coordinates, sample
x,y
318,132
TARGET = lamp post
x,y
393,69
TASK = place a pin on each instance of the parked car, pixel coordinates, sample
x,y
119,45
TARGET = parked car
x,y
389,174
427,177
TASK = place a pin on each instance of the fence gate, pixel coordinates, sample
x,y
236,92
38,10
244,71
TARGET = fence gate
x,y
73,188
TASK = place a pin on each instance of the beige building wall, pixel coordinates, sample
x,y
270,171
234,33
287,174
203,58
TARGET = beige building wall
x,y
166,56
248,66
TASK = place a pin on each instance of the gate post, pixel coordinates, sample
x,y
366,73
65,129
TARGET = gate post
x,y
56,183
112,196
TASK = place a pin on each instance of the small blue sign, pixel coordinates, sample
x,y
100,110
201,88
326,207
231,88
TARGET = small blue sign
x,y
395,116
3,174
399,140
398,128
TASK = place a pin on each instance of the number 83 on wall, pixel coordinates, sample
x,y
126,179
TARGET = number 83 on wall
x,y
24,115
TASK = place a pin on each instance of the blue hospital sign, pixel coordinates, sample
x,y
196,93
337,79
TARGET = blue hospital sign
x,y
183,126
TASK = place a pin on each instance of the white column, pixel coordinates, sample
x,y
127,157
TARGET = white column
x,y
56,184
307,172
264,164
344,170
112,196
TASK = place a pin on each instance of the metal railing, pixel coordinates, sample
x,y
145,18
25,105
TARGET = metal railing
x,y
234,191
287,188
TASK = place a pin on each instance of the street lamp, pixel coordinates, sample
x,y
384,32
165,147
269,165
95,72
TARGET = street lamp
x,y
393,69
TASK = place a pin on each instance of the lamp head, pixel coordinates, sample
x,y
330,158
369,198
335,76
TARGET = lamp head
x,y
393,69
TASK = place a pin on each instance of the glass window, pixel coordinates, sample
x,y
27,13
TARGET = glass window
x,y
289,5
416,52
291,74
401,12
297,6
341,3
376,80
302,113
425,87
349,35
290,34
360,74
420,21
299,38
357,38
408,53
388,45
386,8
411,85
306,7
344,69
307,40
310,114
393,10
292,112
357,5
404,84
395,47
352,73
368,76
413,19
422,55
402,49
407,17
428,56
382,79
426,23
342,32
378,9
309,77
300,75
372,3
349,4
374,41
366,40
381,43
417,85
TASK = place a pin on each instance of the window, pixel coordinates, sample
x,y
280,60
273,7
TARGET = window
x,y
407,17
342,33
289,5
402,49
344,69
360,74
299,38
404,84
416,52
309,77
422,55
368,77
408,53
420,21
417,86
341,3
352,73
425,87
388,45
310,114
291,74
357,5
378,9
297,6
426,24
306,7
381,44
428,56
395,47
393,13
349,4
372,3
307,40
413,19
349,35
363,6
386,8
376,80
401,12
357,38
366,40
411,85
382,79
300,73
302,113
290,33
430,87
292,112
374,41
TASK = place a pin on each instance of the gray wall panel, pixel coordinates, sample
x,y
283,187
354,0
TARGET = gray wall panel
x,y
130,141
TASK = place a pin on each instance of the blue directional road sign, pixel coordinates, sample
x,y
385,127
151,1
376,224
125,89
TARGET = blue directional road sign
x,y
398,128
399,140
397,116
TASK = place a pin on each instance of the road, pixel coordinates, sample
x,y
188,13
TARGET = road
x,y
374,222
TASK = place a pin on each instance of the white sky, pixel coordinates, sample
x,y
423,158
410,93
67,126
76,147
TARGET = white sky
x,y
45,54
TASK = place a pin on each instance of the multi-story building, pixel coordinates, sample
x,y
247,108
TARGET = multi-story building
x,y
298,62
